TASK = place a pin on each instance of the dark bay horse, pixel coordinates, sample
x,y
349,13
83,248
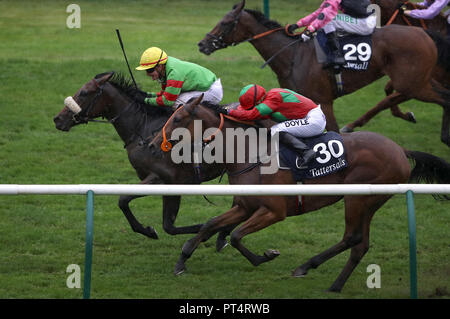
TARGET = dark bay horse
x,y
389,13
297,67
111,96
372,159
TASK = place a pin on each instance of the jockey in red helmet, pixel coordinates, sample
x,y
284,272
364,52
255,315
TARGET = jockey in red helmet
x,y
297,116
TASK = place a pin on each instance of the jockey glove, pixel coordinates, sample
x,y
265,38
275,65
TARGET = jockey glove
x,y
402,8
292,28
141,96
306,36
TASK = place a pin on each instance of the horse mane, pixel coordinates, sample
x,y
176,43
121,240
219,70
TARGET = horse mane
x,y
126,86
216,108
262,19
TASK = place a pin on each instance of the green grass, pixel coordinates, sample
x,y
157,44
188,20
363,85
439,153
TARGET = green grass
x,y
42,62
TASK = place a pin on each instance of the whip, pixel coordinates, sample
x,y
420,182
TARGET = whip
x,y
124,54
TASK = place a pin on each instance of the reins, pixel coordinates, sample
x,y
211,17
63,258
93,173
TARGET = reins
x,y
405,19
166,146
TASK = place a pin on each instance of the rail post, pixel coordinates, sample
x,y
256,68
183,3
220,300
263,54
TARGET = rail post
x,y
89,244
266,9
412,244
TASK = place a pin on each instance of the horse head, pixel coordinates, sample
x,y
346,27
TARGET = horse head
x,y
87,103
225,33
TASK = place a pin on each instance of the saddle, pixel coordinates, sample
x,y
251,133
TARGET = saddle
x,y
356,49
331,157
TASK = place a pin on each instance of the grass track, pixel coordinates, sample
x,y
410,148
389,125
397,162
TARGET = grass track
x,y
42,61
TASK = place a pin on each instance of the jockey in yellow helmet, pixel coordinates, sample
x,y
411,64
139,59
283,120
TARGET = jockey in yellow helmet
x,y
180,80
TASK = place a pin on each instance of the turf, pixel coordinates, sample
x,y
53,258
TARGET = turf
x,y
42,61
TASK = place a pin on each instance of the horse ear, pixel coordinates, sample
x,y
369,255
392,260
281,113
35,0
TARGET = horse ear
x,y
190,106
240,7
102,78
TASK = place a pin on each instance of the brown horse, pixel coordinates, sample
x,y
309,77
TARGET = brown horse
x,y
111,96
372,159
389,13
297,67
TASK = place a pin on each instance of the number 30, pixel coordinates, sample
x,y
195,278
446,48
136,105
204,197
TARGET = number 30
x,y
328,152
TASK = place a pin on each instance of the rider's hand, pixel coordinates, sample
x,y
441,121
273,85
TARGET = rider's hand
x,y
306,36
140,96
403,10
292,28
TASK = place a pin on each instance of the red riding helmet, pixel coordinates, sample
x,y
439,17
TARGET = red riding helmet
x,y
251,95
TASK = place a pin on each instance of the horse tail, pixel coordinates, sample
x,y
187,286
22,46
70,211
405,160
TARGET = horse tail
x,y
443,47
429,169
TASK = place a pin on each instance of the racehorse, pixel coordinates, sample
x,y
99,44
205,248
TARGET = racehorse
x,y
389,13
371,158
297,68
111,96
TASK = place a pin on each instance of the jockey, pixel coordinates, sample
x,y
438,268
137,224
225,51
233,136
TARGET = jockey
x,y
354,19
283,106
432,9
180,80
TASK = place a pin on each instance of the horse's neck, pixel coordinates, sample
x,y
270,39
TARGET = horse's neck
x,y
130,121
250,143
284,62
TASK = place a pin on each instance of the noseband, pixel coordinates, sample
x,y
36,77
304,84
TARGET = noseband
x,y
81,116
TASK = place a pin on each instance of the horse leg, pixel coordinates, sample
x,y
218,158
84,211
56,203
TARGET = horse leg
x,y
232,217
388,102
445,130
356,254
358,214
327,109
262,218
221,241
171,206
136,226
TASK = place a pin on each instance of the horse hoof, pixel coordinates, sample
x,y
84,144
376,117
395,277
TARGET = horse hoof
x,y
333,290
151,232
346,129
221,244
411,117
299,272
179,269
271,254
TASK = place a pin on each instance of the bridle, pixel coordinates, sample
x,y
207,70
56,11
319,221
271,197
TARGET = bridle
x,y
218,42
166,146
83,116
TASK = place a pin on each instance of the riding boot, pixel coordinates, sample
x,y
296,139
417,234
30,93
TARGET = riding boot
x,y
298,146
338,58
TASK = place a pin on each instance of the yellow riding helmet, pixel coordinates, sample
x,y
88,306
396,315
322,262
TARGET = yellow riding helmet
x,y
151,58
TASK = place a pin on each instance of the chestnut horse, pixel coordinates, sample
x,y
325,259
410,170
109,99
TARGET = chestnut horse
x,y
391,14
297,68
372,159
111,96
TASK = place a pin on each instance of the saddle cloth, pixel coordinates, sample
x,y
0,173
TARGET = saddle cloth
x,y
357,50
330,157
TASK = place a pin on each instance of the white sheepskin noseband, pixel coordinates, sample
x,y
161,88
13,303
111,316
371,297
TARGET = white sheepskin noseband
x,y
72,105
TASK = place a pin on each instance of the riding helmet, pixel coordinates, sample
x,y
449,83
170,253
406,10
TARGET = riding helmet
x,y
251,95
151,58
